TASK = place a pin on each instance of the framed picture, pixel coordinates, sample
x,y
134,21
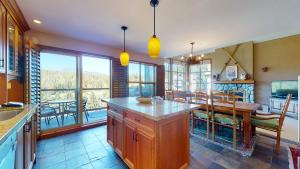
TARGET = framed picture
x,y
231,72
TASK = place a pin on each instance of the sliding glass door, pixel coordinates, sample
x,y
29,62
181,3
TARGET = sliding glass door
x,y
95,86
59,94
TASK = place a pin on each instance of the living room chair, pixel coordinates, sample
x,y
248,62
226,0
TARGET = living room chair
x,y
272,121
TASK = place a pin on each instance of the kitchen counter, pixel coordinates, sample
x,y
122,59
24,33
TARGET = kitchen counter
x,y
152,135
7,127
156,110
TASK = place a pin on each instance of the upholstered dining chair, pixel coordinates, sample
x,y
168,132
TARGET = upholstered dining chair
x,y
202,114
272,121
225,116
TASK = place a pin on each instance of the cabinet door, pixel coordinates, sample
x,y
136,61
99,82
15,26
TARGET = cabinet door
x,y
118,135
20,149
130,145
110,129
11,44
27,143
145,150
2,37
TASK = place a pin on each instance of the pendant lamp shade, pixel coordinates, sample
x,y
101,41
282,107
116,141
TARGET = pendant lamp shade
x,y
124,56
154,47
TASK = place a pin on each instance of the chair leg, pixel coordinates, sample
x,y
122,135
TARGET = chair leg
x,y
234,136
86,116
207,130
193,123
277,148
57,120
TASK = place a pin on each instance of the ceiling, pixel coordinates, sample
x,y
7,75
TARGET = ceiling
x,y
209,23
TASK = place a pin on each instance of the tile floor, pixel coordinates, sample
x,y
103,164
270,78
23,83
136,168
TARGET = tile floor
x,y
89,150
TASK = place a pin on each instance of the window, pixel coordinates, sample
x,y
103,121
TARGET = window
x,y
200,76
141,79
95,86
58,90
178,76
167,75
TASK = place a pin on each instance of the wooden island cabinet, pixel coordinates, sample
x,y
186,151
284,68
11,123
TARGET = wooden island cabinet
x,y
149,136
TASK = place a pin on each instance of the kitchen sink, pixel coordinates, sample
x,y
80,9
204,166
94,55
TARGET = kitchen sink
x,y
8,114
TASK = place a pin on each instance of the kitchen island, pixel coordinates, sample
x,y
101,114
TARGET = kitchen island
x,y
150,136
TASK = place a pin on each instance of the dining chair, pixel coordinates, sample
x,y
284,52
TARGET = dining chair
x,y
48,113
169,95
179,95
239,95
272,121
202,114
84,102
225,116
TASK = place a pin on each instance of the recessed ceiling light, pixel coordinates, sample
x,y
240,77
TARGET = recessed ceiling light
x,y
37,21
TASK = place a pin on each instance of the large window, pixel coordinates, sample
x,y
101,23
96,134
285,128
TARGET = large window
x,y
200,76
58,90
178,76
141,79
95,86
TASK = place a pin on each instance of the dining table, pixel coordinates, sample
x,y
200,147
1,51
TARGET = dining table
x,y
243,109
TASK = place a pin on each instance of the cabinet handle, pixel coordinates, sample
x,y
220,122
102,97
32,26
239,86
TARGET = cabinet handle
x,y
133,134
137,120
136,137
27,127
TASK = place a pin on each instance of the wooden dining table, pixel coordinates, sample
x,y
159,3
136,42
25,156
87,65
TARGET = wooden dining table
x,y
243,109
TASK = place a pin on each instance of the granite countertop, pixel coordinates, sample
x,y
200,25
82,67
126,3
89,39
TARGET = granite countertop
x,y
156,110
7,127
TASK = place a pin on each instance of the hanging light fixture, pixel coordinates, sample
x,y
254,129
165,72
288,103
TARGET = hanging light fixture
x,y
124,56
154,43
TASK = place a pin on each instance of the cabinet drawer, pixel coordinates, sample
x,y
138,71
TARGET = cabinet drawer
x,y
115,109
139,119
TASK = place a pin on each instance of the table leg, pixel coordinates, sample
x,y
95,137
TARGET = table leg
x,y
247,128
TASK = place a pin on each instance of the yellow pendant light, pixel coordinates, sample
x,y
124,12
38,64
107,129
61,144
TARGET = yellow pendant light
x,y
154,42
124,56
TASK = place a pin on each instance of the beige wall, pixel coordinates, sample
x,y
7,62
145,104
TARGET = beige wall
x,y
84,46
282,56
244,56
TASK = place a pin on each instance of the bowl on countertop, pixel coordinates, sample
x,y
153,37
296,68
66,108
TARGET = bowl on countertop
x,y
144,100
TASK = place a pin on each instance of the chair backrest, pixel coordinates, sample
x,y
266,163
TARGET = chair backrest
x,y
180,100
239,95
223,103
169,95
201,96
179,94
284,110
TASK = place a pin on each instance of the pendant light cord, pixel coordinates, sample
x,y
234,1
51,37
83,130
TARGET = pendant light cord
x,y
154,21
124,42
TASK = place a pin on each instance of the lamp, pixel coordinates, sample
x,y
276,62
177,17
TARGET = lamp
x,y
154,42
192,49
124,56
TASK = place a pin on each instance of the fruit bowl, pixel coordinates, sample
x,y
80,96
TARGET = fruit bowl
x,y
144,100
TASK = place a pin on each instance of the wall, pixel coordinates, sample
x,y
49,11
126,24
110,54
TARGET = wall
x,y
244,56
282,56
52,40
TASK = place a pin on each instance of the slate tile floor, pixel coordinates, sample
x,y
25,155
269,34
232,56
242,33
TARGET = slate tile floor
x,y
89,150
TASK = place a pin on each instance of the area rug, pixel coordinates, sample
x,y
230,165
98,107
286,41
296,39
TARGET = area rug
x,y
294,154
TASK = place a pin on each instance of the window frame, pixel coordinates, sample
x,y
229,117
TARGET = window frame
x,y
140,82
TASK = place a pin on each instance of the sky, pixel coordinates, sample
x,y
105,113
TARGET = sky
x,y
50,61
